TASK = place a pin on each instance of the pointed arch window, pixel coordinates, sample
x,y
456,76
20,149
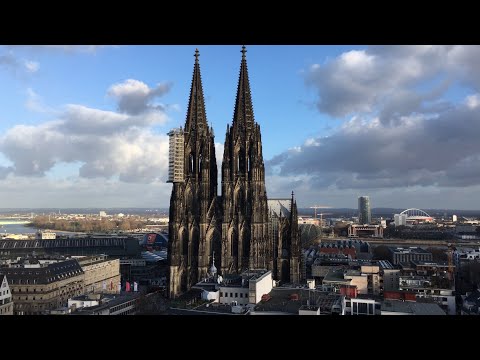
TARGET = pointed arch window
x,y
191,164
241,161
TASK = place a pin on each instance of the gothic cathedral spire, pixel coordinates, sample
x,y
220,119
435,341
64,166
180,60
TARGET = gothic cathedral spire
x,y
193,224
243,114
196,116
245,241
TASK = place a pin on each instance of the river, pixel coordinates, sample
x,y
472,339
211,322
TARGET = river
x,y
17,229
22,229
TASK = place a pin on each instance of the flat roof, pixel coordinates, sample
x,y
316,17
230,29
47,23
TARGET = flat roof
x,y
411,307
351,272
408,250
430,263
280,300
336,275
114,300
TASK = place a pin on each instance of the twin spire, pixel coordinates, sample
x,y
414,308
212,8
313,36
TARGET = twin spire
x,y
196,116
243,114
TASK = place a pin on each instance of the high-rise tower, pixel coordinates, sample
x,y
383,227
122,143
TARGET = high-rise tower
x,y
245,239
193,221
364,213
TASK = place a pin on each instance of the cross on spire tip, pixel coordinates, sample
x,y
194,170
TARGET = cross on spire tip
x,y
243,51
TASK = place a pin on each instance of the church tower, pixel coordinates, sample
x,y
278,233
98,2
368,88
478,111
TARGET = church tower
x,y
193,219
288,259
245,237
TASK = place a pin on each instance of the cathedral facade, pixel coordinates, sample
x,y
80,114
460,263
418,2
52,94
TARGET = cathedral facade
x,y
237,225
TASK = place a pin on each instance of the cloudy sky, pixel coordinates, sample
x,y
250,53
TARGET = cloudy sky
x,y
85,126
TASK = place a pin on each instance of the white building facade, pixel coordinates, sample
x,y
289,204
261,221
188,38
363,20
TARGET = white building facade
x,y
6,304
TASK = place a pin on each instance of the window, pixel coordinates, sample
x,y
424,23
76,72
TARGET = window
x,y
221,294
236,295
362,308
226,294
231,294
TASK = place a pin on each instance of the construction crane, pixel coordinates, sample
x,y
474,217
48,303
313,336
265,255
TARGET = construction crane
x,y
319,207
321,215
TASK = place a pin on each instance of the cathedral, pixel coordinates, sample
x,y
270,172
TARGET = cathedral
x,y
243,228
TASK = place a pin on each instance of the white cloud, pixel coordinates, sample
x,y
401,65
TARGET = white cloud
x,y
402,133
387,78
473,101
31,66
134,97
106,144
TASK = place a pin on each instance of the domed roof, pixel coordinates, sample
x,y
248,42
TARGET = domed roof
x,y
213,269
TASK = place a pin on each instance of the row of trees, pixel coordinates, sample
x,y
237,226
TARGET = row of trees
x,y
87,225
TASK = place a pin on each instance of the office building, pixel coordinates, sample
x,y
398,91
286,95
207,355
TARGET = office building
x,y
364,212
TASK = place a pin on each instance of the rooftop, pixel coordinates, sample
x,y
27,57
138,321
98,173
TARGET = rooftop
x,y
429,263
281,300
43,275
280,207
109,300
408,250
336,275
385,264
90,260
413,308
205,309
351,272
309,307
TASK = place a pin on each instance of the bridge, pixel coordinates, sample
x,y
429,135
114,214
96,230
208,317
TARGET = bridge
x,y
416,216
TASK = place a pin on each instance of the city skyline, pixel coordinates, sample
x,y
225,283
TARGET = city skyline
x,y
86,126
